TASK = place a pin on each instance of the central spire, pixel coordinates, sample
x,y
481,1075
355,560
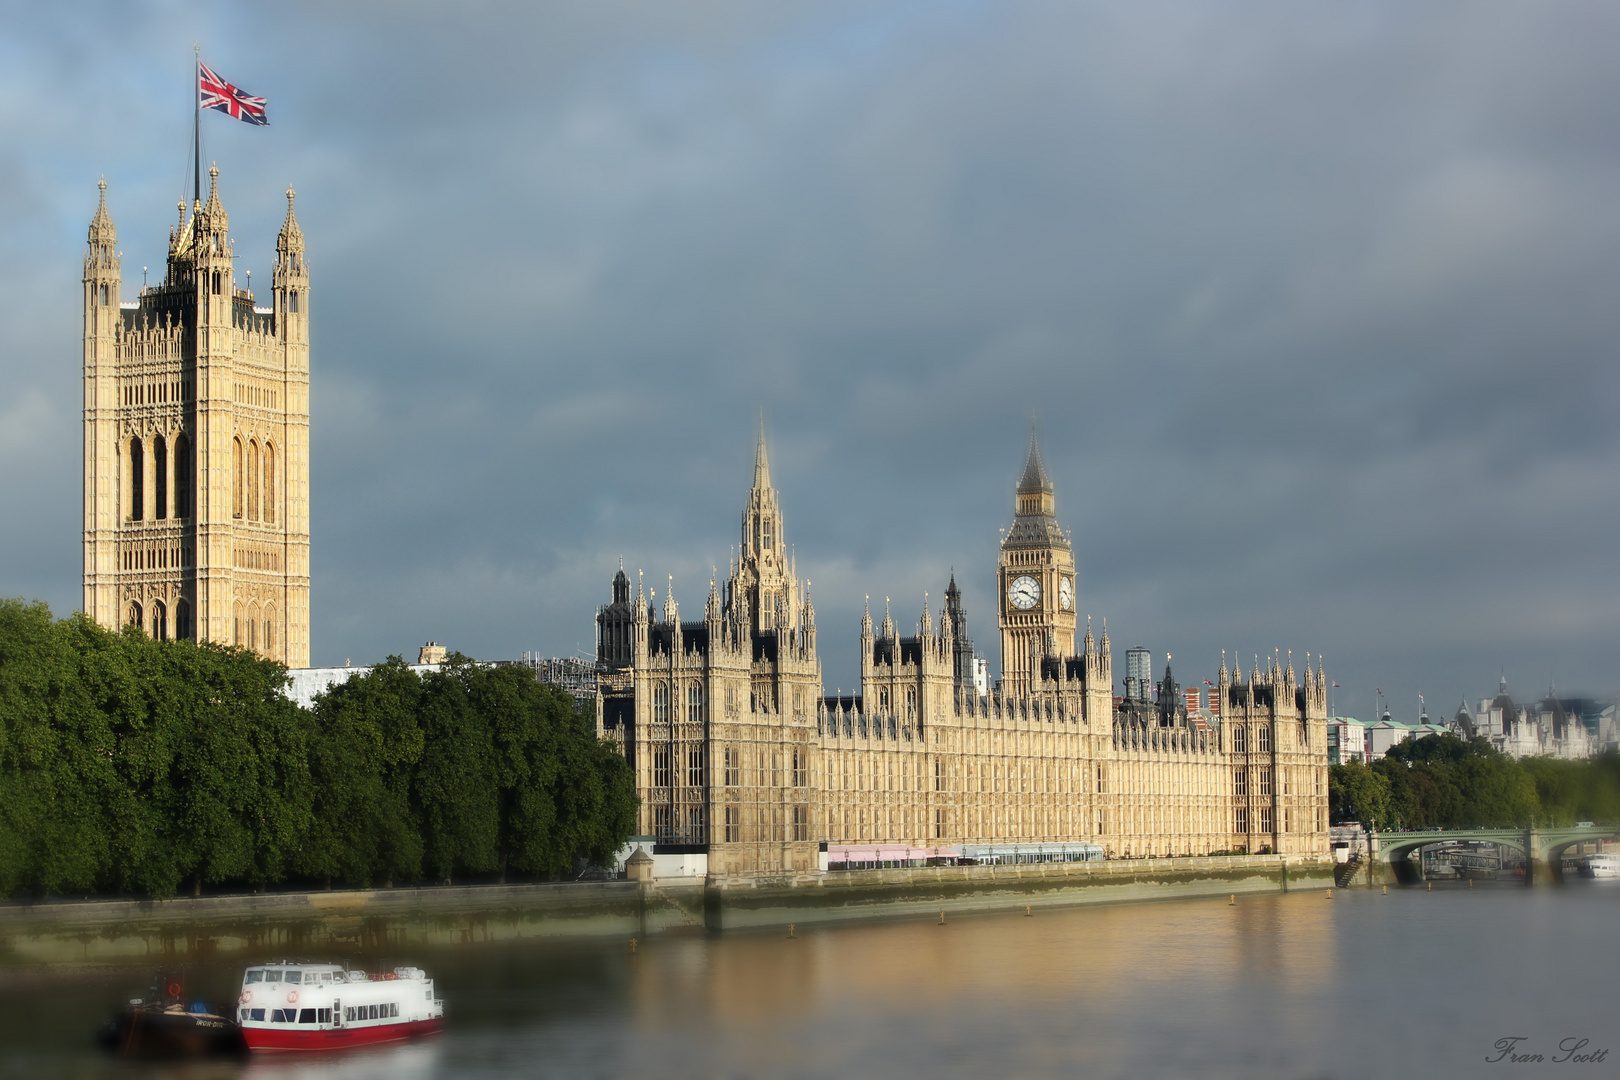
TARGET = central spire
x,y
1034,481
762,461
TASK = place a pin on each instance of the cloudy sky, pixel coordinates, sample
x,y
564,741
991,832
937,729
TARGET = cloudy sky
x,y
1316,304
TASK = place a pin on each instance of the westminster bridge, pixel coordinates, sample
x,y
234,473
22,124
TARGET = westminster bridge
x,y
1387,854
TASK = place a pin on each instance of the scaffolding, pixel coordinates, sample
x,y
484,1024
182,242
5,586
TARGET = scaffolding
x,y
573,675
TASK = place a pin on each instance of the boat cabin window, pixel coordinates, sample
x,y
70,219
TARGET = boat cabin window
x,y
272,976
283,1016
255,1014
306,1016
323,1016
294,977
254,976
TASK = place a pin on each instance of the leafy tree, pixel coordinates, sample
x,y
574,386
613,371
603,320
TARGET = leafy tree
x,y
361,773
455,791
1357,793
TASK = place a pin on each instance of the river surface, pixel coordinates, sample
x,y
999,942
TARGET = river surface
x,y
1413,983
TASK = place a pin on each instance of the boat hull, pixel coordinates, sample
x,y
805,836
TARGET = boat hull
x,y
157,1033
290,1038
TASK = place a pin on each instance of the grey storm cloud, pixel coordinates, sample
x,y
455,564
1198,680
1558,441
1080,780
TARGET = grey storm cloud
x,y
1314,304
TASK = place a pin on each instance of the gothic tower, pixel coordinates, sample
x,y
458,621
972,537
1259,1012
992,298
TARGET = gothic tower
x,y
1035,582
196,441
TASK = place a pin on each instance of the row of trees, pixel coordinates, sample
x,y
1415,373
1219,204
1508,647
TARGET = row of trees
x,y
142,767
1445,781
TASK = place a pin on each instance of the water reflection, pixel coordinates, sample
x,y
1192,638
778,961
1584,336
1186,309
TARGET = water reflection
x,y
1414,983
411,1061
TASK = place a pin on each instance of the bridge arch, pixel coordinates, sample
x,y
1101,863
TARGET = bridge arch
x,y
1542,849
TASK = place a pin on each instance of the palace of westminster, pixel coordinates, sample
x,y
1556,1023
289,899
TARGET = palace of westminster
x,y
196,525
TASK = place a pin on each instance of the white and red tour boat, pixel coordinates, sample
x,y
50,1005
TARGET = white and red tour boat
x,y
289,1006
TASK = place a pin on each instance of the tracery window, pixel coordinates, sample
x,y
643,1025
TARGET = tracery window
x,y
661,766
694,703
1262,738
160,622
253,481
694,767
160,477
270,483
238,467
137,480
733,770
661,702
801,768
1239,739
182,476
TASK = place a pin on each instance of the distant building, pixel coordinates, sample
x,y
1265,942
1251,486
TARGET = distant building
x,y
305,684
1346,740
1138,673
1570,728
1387,731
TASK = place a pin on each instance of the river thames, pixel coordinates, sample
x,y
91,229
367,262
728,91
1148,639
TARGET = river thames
x,y
1413,983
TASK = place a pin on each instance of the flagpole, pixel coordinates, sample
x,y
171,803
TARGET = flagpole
x,y
196,125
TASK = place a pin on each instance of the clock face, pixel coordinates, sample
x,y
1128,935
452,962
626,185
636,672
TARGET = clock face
x,y
1066,593
1024,593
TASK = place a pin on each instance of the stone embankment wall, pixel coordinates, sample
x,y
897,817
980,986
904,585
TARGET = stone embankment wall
x,y
359,923
739,903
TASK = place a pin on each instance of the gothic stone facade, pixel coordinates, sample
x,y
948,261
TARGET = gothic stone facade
x,y
196,441
737,751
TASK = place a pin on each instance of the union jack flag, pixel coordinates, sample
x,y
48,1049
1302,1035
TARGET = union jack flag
x,y
215,93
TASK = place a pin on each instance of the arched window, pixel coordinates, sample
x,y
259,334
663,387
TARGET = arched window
x,y
292,302
182,621
182,479
253,481
239,478
137,480
160,622
270,483
236,635
160,478
133,615
253,626
269,635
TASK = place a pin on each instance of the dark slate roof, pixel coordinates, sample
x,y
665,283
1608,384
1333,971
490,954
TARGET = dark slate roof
x,y
1034,479
1035,530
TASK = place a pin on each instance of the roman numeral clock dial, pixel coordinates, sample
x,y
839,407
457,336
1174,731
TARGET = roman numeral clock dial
x,y
1024,593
